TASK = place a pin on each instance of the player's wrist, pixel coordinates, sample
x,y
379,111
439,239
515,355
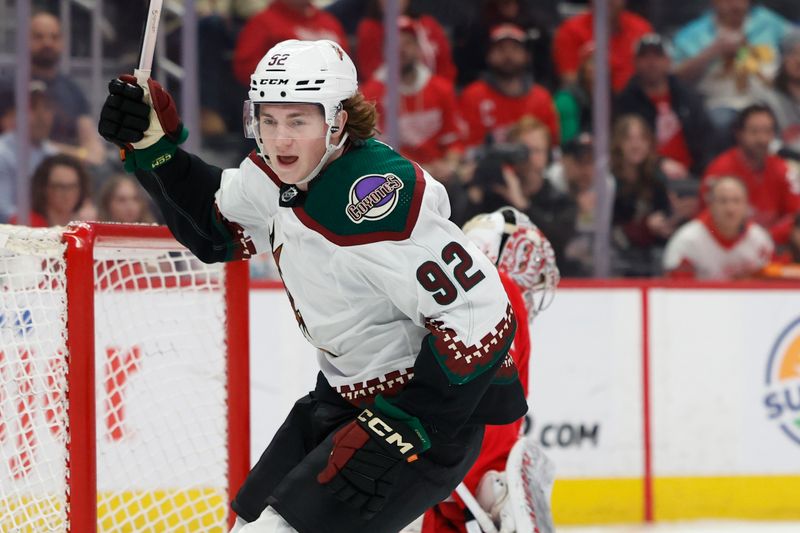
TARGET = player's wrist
x,y
399,432
155,155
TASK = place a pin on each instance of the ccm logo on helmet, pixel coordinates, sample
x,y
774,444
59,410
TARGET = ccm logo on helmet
x,y
385,431
274,82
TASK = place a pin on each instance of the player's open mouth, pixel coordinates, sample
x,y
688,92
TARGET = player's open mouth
x,y
286,160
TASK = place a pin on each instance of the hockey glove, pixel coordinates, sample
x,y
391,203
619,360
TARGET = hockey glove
x,y
143,121
362,466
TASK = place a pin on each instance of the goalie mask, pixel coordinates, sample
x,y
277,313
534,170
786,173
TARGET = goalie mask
x,y
518,248
302,72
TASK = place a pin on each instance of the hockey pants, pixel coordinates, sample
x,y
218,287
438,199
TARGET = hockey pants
x,y
285,475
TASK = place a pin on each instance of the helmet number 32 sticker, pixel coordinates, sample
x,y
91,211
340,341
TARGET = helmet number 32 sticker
x,y
278,60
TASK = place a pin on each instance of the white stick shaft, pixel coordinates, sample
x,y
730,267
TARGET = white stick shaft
x,y
149,40
475,508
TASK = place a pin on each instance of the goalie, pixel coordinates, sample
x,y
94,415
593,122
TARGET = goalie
x,y
511,479
410,319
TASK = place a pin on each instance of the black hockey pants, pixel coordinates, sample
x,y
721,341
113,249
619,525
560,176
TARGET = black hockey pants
x,y
285,475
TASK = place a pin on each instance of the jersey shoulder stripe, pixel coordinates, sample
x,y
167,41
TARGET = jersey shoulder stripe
x,y
370,194
255,158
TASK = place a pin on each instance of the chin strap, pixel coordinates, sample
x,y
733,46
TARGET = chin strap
x,y
331,148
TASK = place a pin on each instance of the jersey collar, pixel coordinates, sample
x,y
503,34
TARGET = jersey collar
x,y
708,222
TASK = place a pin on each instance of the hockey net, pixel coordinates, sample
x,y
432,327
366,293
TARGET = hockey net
x,y
123,382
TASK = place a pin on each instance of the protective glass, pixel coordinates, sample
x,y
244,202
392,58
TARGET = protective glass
x,y
249,119
308,125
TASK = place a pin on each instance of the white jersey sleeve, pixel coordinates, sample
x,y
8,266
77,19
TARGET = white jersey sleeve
x,y
248,197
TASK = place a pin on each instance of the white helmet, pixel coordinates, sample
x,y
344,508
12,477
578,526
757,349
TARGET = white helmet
x,y
308,72
518,248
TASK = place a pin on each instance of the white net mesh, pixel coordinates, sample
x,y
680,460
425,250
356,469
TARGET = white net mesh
x,y
160,388
33,369
160,368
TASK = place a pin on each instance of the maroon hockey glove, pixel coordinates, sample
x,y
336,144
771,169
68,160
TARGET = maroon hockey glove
x,y
143,121
361,468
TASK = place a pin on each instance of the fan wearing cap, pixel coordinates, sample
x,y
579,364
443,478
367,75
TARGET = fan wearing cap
x,y
410,320
73,126
576,177
40,124
507,92
428,120
471,36
672,109
575,33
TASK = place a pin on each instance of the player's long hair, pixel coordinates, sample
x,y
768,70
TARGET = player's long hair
x,y
362,118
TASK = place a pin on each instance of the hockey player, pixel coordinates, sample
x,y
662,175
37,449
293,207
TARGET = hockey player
x,y
411,322
527,267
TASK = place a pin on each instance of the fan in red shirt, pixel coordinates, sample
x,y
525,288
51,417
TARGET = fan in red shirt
x,y
428,121
507,92
282,20
527,267
433,43
60,193
575,33
772,186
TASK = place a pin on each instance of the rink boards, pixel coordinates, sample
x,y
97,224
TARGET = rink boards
x,y
657,401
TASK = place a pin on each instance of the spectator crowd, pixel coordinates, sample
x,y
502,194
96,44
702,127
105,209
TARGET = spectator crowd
x,y
496,103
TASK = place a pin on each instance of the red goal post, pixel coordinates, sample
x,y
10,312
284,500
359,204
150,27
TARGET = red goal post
x,y
124,386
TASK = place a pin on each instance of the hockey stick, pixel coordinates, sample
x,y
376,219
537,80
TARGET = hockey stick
x,y
148,42
475,508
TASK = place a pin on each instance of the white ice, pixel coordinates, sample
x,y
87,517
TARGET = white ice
x,y
690,527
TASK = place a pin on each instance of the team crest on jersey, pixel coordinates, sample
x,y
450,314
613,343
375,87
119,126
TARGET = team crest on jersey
x,y
373,197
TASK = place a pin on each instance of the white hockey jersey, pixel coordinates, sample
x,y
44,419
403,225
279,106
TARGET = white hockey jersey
x,y
371,265
697,251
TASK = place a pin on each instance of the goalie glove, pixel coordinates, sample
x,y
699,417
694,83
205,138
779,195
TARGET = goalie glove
x,y
143,121
362,466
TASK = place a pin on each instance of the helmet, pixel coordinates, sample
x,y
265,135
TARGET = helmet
x,y
518,248
312,72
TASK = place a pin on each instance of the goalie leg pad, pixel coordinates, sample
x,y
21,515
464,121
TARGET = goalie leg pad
x,y
530,475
